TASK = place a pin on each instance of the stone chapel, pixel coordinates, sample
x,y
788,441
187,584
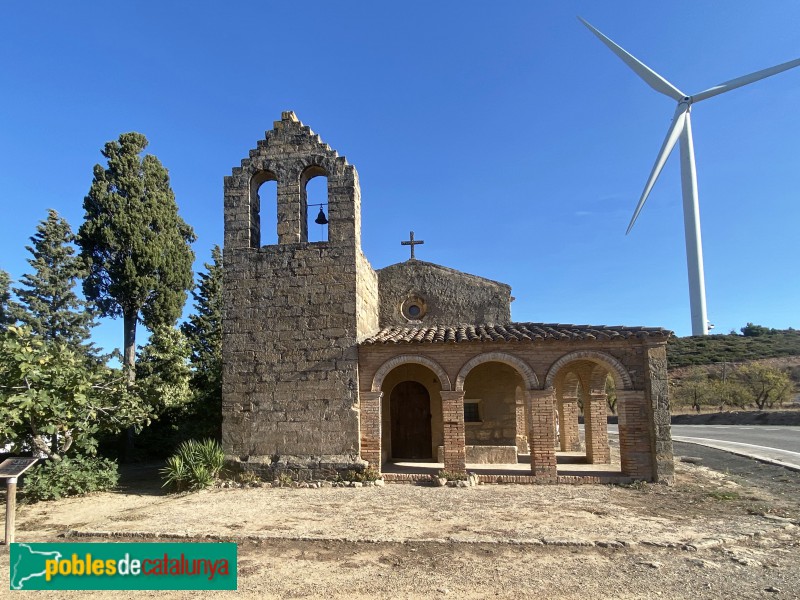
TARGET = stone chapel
x,y
329,364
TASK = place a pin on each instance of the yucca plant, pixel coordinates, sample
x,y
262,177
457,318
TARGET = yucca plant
x,y
211,455
194,466
176,473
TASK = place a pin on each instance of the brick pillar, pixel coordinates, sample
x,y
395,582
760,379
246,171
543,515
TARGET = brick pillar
x,y
370,411
541,405
635,443
568,424
455,453
596,429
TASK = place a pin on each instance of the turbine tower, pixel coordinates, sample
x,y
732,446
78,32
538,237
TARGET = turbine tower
x,y
681,129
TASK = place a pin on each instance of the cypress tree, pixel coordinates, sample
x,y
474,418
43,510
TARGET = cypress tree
x,y
47,300
137,244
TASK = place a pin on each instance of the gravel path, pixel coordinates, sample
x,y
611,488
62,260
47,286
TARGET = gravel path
x,y
712,535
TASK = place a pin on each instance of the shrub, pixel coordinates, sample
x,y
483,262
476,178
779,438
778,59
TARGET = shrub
x,y
285,479
452,475
70,476
194,466
248,478
368,474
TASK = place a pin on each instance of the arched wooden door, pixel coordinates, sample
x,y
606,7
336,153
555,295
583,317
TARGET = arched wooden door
x,y
411,420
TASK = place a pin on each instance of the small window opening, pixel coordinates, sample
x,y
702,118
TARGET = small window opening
x,y
472,413
414,308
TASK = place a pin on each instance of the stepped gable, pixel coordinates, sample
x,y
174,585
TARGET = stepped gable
x,y
512,332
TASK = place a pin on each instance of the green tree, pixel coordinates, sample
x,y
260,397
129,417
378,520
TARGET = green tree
x,y
47,301
693,390
751,330
162,372
6,305
611,394
764,385
51,401
203,331
137,244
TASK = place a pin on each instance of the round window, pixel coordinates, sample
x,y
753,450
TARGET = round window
x,y
414,308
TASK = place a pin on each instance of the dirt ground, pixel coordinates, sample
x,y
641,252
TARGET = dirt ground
x,y
729,533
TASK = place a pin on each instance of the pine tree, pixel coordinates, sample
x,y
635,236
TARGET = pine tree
x,y
162,372
203,331
47,301
204,327
6,318
137,244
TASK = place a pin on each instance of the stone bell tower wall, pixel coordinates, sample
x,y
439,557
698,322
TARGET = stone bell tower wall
x,y
294,311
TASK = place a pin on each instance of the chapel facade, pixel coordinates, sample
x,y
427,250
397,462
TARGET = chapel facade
x,y
329,364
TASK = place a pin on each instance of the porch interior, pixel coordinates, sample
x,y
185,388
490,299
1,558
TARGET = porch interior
x,y
568,464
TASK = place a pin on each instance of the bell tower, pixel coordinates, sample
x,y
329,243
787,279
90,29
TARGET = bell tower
x,y
295,311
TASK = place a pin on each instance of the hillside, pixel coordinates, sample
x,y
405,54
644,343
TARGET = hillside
x,y
758,343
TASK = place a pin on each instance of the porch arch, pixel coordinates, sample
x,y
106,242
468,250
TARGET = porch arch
x,y
527,374
389,365
618,371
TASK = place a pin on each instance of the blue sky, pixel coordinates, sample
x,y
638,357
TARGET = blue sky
x,y
504,134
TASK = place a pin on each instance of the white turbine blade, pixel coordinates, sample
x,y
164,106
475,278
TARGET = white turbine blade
x,y
650,77
744,80
674,132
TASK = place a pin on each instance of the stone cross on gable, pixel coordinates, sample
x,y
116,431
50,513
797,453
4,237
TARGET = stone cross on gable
x,y
412,242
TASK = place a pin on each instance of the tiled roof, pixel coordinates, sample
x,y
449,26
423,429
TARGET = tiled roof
x,y
510,332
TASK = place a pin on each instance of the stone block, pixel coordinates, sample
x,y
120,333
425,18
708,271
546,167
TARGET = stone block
x,y
485,455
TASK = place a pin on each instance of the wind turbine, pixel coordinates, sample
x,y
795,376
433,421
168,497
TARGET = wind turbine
x,y
681,129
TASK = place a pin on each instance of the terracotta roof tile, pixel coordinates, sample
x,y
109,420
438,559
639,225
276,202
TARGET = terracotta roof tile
x,y
510,332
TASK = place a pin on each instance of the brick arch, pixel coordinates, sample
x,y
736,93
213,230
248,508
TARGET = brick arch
x,y
527,374
621,376
568,385
597,379
392,363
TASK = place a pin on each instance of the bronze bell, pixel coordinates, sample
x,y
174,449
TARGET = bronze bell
x,y
321,219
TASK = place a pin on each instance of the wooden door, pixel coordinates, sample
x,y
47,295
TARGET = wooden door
x,y
411,421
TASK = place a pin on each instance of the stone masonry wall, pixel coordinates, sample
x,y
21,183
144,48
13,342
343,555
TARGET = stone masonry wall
x,y
366,297
294,312
450,296
657,391
495,385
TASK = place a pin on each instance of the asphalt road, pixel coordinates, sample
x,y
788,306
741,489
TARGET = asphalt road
x,y
776,444
780,437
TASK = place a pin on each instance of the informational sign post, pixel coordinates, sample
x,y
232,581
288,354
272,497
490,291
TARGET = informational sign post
x,y
10,469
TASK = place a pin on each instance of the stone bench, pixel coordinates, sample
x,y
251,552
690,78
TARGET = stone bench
x,y
486,455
